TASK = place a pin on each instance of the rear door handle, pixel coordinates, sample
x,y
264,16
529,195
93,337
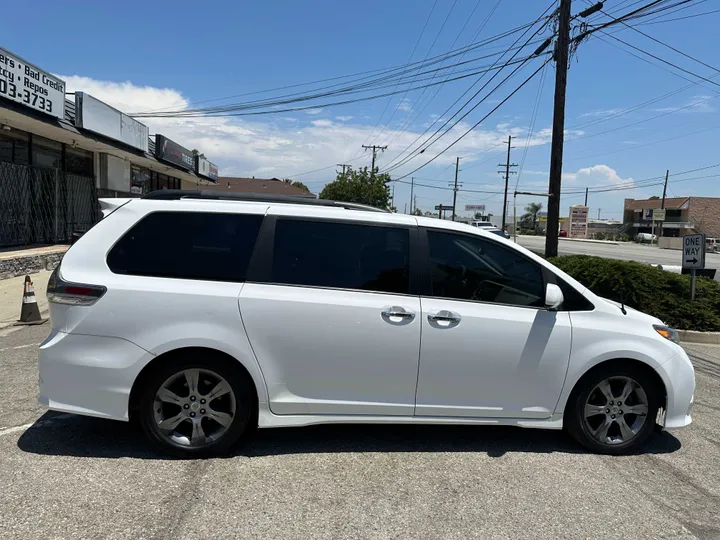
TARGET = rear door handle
x,y
396,311
444,316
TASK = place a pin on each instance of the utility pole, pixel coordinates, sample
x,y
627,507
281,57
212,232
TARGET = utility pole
x,y
455,187
412,186
586,193
374,149
392,197
662,202
457,169
414,203
599,213
344,166
507,177
562,46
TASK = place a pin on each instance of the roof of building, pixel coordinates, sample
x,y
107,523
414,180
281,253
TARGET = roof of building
x,y
273,186
671,203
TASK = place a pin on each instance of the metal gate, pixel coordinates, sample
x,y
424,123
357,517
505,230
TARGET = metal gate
x,y
44,206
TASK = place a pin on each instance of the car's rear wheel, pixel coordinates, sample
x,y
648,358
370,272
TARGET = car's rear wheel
x,y
196,408
613,409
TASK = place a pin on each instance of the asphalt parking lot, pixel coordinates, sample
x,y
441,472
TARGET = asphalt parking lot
x,y
65,476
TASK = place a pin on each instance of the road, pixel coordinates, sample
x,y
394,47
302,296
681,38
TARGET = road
x,y
69,477
626,251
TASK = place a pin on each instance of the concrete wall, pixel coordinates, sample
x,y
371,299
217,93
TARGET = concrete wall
x,y
666,242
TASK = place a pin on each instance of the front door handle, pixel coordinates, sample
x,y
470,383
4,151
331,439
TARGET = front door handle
x,y
444,316
396,311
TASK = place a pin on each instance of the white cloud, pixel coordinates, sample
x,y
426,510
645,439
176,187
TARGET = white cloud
x,y
404,106
264,146
343,118
602,112
313,111
696,104
597,175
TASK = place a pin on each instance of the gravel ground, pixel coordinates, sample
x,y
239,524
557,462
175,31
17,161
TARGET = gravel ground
x,y
66,476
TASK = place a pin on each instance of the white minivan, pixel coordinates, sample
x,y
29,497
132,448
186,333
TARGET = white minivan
x,y
202,315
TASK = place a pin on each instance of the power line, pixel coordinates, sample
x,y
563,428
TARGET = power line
x,y
429,142
417,42
481,120
531,127
680,18
659,41
405,126
428,53
388,74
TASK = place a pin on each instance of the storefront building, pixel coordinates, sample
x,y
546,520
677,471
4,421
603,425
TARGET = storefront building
x,y
59,153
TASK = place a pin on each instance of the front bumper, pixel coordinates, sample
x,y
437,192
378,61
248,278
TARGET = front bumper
x,y
678,375
89,375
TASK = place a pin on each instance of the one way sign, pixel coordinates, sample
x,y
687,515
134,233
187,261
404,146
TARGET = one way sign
x,y
693,251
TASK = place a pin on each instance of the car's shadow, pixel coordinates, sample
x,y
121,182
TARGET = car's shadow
x,y
69,435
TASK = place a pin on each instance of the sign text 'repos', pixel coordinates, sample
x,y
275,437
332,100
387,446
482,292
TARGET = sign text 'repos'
x,y
30,86
172,152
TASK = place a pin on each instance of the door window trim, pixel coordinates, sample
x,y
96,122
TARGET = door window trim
x,y
426,269
261,262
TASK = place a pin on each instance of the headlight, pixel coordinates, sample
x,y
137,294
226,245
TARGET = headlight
x,y
667,333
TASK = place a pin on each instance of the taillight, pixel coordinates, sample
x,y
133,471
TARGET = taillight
x,y
76,294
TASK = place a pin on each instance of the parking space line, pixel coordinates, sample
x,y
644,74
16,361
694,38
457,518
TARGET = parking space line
x,y
43,423
17,347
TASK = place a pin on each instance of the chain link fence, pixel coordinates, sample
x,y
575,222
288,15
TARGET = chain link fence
x,y
44,206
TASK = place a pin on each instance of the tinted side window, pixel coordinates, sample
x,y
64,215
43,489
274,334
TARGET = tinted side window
x,y
341,255
573,300
472,268
187,245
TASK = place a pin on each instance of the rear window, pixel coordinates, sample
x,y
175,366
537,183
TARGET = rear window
x,y
187,245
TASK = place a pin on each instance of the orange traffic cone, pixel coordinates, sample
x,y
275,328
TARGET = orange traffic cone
x,y
29,314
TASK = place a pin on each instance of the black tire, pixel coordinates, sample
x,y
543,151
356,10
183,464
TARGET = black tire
x,y
575,423
244,419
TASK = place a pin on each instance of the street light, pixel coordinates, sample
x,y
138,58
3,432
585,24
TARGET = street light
x,y
515,208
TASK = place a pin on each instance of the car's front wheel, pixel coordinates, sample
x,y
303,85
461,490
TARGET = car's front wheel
x,y
613,409
195,408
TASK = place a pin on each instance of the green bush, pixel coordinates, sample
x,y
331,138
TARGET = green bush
x,y
664,295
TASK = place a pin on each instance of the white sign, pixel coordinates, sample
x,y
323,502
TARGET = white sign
x,y
658,214
206,168
578,221
28,85
478,207
693,251
98,117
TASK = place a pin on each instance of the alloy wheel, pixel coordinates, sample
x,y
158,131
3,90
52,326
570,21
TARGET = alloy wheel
x,y
194,407
616,410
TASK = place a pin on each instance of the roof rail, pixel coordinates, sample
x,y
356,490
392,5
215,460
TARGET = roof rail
x,y
177,194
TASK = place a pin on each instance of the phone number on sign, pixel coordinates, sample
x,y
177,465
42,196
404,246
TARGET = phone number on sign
x,y
29,98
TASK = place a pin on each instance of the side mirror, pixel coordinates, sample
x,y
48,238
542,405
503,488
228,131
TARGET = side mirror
x,y
553,297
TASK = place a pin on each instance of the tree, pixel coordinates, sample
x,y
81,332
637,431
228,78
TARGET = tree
x,y
654,198
359,186
417,212
531,216
196,153
297,184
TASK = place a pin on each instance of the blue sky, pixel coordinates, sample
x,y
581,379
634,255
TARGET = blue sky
x,y
143,56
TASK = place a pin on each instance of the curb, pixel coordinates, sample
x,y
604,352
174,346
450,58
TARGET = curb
x,y
589,241
708,338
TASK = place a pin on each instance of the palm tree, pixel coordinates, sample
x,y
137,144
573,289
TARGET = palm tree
x,y
532,210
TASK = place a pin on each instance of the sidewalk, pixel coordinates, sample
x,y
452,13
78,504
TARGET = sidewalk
x,y
11,294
